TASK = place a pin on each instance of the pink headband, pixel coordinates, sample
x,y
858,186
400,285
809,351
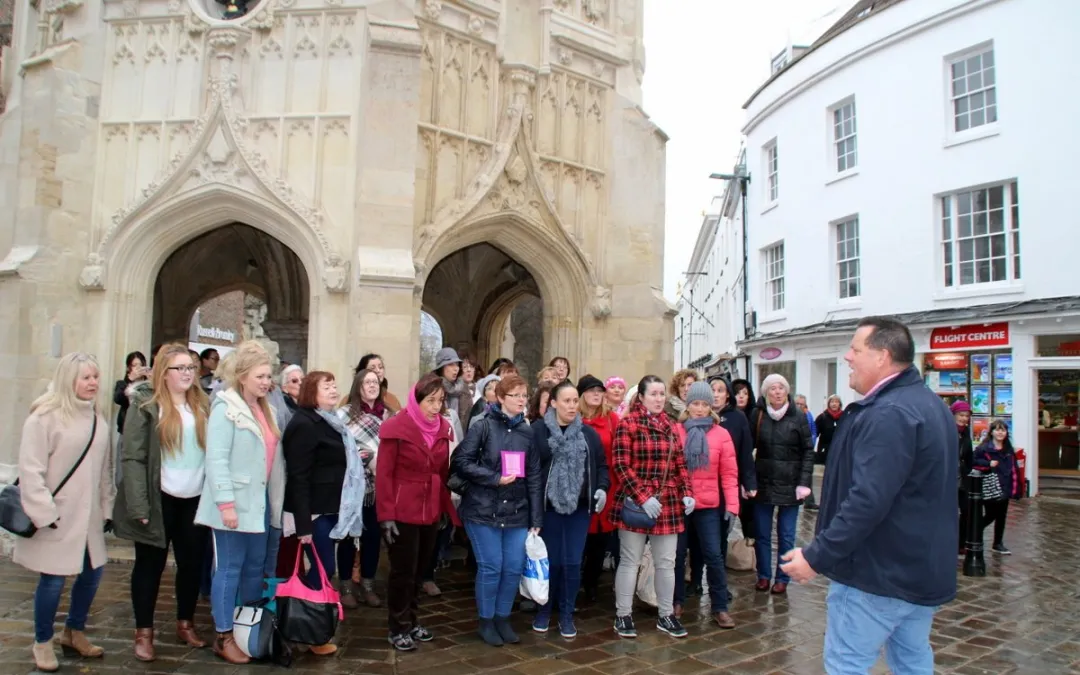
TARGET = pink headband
x,y
615,380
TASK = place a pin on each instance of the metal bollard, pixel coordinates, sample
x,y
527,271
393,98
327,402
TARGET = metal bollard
x,y
974,564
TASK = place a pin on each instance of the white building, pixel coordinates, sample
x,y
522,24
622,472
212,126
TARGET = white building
x,y
888,163
710,307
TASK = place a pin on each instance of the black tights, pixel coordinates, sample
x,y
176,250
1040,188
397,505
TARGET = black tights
x,y
995,512
189,546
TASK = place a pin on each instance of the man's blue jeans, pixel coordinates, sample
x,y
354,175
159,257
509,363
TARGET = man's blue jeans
x,y
47,600
786,521
564,537
709,529
500,560
859,624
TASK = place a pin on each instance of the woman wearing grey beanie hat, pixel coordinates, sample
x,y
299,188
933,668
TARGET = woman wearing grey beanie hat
x,y
714,477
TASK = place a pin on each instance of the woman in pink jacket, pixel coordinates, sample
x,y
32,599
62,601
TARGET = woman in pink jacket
x,y
714,474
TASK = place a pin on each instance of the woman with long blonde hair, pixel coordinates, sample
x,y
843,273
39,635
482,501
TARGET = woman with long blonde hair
x,y
243,491
66,436
164,458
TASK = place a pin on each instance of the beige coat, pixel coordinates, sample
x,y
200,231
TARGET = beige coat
x,y
50,447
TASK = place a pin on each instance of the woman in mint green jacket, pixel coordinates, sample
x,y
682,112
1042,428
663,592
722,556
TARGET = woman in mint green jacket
x,y
243,492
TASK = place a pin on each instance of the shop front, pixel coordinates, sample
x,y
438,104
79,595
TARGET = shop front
x,y
1058,404
974,364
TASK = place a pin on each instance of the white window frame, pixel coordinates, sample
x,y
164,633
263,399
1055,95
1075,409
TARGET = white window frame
x,y
772,258
967,233
770,157
847,252
843,137
973,88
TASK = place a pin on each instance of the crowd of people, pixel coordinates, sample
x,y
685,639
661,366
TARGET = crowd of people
x,y
239,471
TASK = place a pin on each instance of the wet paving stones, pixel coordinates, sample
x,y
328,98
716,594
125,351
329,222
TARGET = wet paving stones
x,y
1023,617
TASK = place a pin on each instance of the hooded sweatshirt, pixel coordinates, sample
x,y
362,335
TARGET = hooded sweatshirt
x,y
737,426
753,400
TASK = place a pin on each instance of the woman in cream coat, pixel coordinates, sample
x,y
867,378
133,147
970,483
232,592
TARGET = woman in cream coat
x,y
71,527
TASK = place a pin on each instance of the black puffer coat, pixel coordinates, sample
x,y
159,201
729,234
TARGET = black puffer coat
x,y
785,454
479,460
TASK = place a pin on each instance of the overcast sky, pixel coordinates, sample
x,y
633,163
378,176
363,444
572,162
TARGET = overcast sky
x,y
703,60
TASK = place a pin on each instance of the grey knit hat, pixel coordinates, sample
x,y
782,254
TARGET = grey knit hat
x,y
700,391
445,357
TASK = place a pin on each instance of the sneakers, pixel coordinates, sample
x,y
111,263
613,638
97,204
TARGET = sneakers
x,y
1000,548
567,628
402,642
624,627
672,626
542,623
421,634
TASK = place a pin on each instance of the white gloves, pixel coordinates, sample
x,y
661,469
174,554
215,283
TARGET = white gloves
x,y
652,507
688,504
802,493
600,497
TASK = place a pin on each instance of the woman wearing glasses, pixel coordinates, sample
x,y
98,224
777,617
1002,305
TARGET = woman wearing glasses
x,y
502,505
164,466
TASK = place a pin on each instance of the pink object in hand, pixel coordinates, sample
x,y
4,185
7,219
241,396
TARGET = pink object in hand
x,y
513,463
802,493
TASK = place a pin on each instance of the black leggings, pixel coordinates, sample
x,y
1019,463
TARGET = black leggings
x,y
995,512
189,547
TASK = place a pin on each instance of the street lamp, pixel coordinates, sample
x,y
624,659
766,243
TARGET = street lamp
x,y
743,177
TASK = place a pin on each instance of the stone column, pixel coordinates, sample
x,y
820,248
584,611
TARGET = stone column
x,y
291,335
384,307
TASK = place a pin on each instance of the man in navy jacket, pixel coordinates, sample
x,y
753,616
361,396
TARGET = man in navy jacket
x,y
887,528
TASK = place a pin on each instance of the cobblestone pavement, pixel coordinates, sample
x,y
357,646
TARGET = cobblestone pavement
x,y
1024,617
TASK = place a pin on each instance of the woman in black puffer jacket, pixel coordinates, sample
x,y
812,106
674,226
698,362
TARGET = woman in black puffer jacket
x,y
499,510
785,468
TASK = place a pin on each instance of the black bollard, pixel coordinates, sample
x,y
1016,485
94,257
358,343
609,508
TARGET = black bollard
x,y
974,564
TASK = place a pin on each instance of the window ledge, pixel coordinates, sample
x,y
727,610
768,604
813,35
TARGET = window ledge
x,y
845,305
771,206
843,175
971,135
979,291
772,317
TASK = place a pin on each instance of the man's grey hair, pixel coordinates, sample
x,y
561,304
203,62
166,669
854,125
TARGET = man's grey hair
x,y
890,335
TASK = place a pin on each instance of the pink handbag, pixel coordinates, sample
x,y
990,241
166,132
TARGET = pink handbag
x,y
305,615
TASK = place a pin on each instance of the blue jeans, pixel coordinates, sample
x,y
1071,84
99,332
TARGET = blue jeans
x,y
564,537
785,537
47,600
500,560
241,561
334,555
709,529
858,624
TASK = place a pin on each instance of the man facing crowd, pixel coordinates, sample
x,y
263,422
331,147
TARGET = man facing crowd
x,y
887,528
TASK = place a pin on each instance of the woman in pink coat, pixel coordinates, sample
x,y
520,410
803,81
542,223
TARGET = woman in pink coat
x,y
714,475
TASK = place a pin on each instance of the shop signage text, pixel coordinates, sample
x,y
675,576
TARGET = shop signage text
x,y
952,361
770,353
970,337
214,333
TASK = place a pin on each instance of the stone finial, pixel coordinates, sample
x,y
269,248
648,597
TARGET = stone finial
x,y
601,304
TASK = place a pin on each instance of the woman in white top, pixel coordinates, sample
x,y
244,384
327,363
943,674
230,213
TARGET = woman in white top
x,y
164,462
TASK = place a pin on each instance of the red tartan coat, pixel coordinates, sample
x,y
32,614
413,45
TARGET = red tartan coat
x,y
605,427
642,445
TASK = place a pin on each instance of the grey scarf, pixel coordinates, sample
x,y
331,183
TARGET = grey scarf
x,y
454,391
350,512
697,448
569,451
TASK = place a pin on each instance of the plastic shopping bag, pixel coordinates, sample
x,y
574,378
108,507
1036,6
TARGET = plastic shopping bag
x,y
646,583
536,580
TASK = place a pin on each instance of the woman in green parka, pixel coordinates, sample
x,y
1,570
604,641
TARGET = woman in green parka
x,y
163,470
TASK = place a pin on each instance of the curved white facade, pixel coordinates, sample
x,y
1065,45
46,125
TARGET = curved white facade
x,y
927,131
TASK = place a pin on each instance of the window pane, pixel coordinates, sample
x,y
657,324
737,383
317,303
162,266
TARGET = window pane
x,y
975,81
978,117
998,269
958,70
997,246
963,202
991,114
988,58
967,250
948,254
948,275
967,273
974,63
997,221
980,200
997,197
988,77
980,223
964,226
982,271
982,248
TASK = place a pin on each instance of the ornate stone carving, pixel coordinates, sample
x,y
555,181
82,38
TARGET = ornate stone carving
x,y
193,23
595,11
131,8
566,57
476,25
601,304
264,19
432,9
61,6
336,276
516,171
92,277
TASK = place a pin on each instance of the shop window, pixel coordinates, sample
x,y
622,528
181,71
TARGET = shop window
x,y
785,368
1058,345
983,379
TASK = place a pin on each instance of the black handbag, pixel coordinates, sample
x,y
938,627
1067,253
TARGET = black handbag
x,y
13,517
456,483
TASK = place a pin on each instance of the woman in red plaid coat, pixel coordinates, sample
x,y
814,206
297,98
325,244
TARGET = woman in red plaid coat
x,y
650,468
